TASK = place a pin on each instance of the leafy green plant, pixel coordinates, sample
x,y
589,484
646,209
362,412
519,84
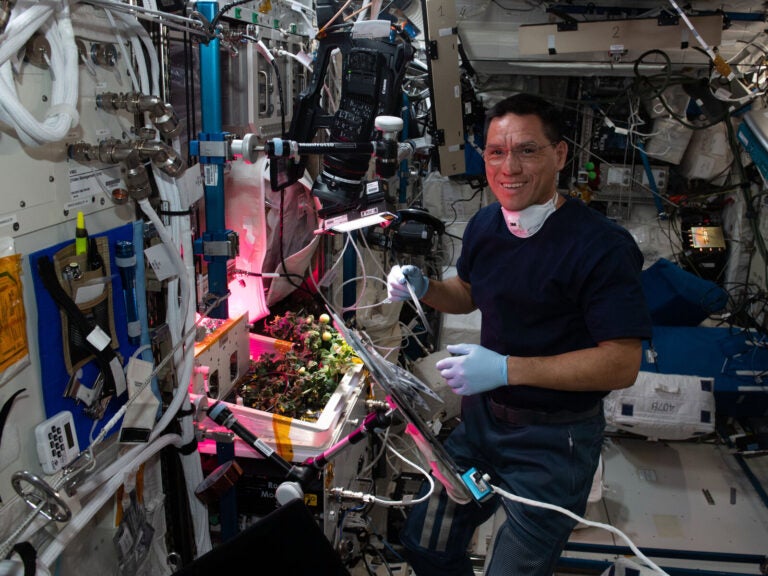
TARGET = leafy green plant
x,y
298,383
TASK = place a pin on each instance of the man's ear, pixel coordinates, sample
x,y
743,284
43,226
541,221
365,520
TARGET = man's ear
x,y
561,151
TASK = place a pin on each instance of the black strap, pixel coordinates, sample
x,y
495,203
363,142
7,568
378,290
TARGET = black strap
x,y
6,410
28,556
104,357
189,447
524,417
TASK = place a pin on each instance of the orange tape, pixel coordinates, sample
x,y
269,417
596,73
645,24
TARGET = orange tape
x,y
281,426
283,346
13,333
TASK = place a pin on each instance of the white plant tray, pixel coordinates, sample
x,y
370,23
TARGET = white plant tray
x,y
294,440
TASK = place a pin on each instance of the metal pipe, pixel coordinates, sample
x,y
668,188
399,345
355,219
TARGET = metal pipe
x,y
161,113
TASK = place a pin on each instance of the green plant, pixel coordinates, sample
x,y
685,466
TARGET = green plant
x,y
298,383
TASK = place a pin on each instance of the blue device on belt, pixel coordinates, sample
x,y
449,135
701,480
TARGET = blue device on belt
x,y
476,484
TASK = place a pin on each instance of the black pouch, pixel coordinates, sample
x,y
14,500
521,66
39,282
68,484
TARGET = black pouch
x,y
91,290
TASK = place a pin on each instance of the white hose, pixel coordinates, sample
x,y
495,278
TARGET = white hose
x,y
137,86
295,57
178,242
24,22
181,393
63,63
86,514
173,251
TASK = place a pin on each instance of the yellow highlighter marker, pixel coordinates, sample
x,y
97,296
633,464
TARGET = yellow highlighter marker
x,y
81,235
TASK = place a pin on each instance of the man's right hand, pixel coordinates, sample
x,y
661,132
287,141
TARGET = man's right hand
x,y
397,290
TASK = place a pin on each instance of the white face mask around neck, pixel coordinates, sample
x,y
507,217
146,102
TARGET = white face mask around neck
x,y
526,222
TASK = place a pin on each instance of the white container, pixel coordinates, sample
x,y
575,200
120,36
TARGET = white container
x,y
294,440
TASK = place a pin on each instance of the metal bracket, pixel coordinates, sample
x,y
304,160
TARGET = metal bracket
x,y
432,52
222,245
666,19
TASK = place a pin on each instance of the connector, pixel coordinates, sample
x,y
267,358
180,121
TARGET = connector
x,y
477,484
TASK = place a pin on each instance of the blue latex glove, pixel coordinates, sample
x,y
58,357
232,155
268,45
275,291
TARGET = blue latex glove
x,y
397,291
473,369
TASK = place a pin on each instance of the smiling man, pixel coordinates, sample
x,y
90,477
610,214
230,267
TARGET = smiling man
x,y
563,319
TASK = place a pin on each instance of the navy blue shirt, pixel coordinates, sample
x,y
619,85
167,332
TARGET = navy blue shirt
x,y
574,283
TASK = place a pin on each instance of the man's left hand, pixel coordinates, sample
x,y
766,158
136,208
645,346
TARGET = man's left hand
x,y
473,369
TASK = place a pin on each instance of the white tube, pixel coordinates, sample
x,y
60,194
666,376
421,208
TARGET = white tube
x,y
173,250
24,22
62,114
185,316
54,549
301,61
137,87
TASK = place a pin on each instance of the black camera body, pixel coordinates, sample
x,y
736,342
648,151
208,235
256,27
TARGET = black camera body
x,y
371,86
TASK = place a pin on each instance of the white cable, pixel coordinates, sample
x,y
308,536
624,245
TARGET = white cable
x,y
95,504
362,12
63,66
383,437
300,8
62,114
124,51
328,274
172,249
365,279
578,518
181,393
281,52
363,276
183,316
372,255
372,499
153,60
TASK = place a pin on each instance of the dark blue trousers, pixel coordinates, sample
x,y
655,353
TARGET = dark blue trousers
x,y
548,463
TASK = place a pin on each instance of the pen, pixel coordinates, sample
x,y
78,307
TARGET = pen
x,y
95,261
81,235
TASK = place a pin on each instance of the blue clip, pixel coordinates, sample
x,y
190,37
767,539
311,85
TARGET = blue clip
x,y
478,487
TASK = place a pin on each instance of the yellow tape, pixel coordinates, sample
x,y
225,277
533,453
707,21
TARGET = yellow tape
x,y
281,426
13,321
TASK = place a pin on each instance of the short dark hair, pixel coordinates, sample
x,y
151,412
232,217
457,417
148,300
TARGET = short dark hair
x,y
529,104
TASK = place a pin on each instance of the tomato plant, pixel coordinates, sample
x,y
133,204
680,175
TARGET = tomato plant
x,y
298,383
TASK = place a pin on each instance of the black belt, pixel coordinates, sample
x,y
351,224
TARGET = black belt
x,y
521,417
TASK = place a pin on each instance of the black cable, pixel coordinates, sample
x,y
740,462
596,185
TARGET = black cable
x,y
385,8
376,552
477,190
187,212
188,88
226,8
266,274
656,91
281,222
281,97
6,409
665,74
287,275
531,9
77,318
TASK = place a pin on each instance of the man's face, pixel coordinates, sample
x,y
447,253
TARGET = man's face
x,y
521,163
